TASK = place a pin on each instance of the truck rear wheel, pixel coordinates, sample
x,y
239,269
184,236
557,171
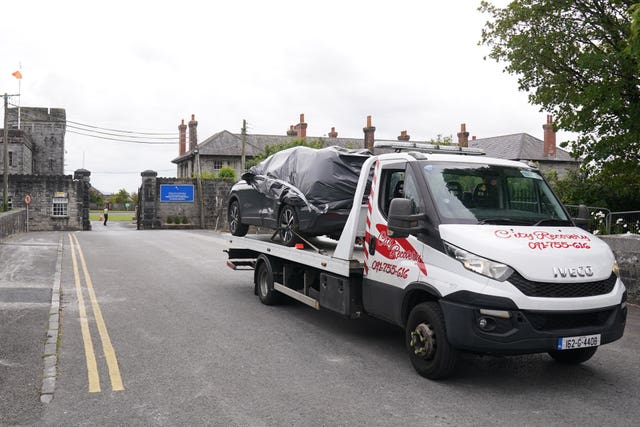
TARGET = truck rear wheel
x,y
573,357
264,284
426,339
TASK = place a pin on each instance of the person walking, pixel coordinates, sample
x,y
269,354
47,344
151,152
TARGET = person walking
x,y
105,213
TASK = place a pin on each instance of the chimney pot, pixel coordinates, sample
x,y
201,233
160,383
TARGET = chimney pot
x,y
463,136
333,133
403,136
549,138
369,135
302,127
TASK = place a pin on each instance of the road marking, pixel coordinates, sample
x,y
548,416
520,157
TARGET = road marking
x,y
90,356
107,347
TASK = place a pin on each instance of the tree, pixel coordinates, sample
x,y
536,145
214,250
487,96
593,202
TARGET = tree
x,y
579,59
121,197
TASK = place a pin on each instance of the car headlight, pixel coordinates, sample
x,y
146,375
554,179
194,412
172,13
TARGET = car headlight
x,y
616,269
478,264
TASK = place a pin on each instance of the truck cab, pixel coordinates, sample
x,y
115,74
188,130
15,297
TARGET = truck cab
x,y
481,250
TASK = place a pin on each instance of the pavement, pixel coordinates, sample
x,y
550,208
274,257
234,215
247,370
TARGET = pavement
x,y
30,266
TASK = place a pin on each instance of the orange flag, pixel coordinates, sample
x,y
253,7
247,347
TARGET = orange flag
x,y
17,74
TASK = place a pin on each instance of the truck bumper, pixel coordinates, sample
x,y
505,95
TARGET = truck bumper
x,y
483,325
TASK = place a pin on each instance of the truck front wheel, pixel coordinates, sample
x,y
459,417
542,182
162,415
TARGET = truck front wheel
x,y
427,344
573,357
264,284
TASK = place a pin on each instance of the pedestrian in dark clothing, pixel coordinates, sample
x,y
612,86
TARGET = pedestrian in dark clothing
x,y
106,215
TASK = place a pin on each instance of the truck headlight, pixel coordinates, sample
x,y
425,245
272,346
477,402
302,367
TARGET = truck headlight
x,y
478,264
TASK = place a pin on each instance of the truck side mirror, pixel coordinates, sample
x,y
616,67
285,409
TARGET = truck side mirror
x,y
402,220
582,219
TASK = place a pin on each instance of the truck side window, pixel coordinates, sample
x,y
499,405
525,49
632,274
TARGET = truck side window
x,y
411,192
391,186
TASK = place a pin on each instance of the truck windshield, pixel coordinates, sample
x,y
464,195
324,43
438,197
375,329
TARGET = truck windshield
x,y
490,194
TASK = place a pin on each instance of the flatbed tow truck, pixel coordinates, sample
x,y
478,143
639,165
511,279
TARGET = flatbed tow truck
x,y
474,254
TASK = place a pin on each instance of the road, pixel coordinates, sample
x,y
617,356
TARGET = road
x,y
180,339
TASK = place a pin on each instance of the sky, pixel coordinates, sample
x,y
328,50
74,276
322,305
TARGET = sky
x,y
143,66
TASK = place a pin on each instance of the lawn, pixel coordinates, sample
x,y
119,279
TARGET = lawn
x,y
113,215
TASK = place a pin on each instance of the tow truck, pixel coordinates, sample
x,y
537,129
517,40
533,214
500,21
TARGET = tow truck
x,y
465,252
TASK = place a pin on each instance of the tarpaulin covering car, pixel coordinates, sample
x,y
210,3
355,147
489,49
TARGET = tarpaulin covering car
x,y
323,179
313,188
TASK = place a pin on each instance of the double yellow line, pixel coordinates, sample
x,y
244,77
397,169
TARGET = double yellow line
x,y
107,347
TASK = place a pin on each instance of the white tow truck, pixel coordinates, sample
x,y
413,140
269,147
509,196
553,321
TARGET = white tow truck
x,y
465,252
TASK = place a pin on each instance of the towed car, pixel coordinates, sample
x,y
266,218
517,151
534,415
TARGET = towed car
x,y
298,192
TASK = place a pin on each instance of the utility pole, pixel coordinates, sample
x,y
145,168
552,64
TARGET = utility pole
x,y
244,140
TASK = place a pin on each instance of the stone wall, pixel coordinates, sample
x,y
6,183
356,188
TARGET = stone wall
x,y
626,248
208,211
43,189
12,222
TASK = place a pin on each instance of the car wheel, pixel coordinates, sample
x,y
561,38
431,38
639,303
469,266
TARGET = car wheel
x,y
426,339
236,227
289,226
573,357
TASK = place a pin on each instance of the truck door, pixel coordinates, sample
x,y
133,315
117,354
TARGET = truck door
x,y
391,264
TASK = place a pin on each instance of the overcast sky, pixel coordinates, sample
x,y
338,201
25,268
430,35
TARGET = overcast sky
x,y
142,66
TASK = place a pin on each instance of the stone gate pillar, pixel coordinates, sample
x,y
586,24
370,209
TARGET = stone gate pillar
x,y
84,178
149,198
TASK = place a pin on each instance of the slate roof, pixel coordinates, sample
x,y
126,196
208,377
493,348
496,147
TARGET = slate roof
x,y
225,143
519,146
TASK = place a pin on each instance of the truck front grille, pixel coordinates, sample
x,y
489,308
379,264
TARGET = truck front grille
x,y
562,290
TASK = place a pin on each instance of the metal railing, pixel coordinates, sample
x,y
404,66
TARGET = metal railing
x,y
603,221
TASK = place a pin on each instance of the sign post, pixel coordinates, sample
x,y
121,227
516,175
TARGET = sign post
x,y
27,201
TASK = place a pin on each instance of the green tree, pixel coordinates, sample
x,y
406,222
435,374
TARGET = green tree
x,y
274,148
579,59
121,197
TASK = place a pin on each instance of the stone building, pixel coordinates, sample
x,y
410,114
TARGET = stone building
x,y
36,140
35,154
225,148
524,147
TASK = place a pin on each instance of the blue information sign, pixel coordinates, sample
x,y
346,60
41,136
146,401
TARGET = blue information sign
x,y
176,193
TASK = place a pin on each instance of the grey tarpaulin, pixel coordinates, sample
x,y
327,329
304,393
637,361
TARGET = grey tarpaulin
x,y
324,179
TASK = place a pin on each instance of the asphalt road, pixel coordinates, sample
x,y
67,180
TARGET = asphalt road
x,y
192,345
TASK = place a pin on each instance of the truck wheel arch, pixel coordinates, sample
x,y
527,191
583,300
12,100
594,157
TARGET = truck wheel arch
x,y
416,293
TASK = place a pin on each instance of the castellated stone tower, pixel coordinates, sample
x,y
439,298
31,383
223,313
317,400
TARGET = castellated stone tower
x,y
46,128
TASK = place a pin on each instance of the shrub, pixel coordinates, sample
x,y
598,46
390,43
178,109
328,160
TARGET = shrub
x,y
169,219
227,172
185,220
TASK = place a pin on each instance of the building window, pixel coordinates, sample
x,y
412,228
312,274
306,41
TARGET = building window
x,y
50,164
217,165
60,204
10,158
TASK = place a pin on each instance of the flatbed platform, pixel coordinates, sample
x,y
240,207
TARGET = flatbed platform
x,y
317,253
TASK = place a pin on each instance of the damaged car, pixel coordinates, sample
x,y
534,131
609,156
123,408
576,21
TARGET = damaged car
x,y
298,192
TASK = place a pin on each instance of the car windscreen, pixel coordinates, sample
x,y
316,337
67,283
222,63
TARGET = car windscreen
x,y
492,194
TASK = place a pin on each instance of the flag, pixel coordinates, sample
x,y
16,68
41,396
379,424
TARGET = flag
x,y
17,75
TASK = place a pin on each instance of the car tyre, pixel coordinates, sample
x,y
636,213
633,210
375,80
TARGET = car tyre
x,y
573,357
426,340
288,225
236,227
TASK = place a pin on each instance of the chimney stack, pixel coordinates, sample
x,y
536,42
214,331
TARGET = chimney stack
x,y
193,133
182,140
333,133
549,138
291,131
463,136
403,136
302,127
369,132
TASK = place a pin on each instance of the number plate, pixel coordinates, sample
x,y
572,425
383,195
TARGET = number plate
x,y
570,343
